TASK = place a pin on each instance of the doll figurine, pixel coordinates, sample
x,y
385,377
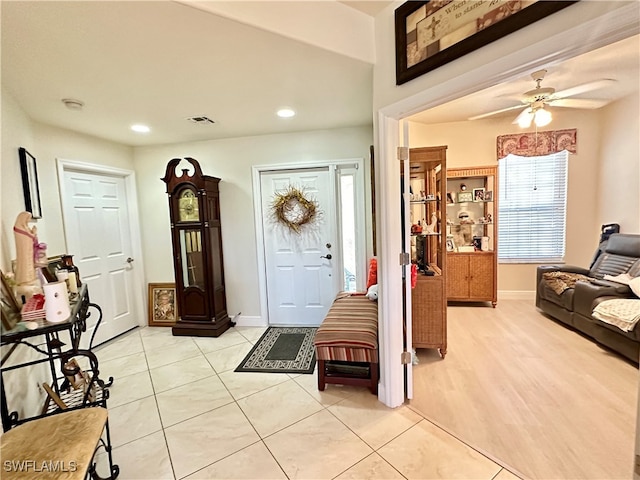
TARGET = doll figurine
x,y
29,255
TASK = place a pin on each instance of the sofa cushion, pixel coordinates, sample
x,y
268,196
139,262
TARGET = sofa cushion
x,y
611,264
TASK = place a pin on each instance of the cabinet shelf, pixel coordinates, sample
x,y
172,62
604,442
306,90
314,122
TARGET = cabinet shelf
x,y
470,224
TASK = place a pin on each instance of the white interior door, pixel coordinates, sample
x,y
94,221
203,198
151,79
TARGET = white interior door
x,y
98,236
301,280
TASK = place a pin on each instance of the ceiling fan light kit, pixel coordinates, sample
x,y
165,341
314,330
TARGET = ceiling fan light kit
x,y
536,102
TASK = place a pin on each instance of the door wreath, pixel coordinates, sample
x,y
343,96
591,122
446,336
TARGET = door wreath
x,y
293,209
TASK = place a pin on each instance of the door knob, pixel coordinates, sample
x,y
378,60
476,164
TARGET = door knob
x,y
129,260
327,256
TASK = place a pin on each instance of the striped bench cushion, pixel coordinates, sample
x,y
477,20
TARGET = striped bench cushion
x,y
349,331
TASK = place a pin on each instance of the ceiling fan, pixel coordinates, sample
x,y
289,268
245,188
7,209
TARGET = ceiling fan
x,y
536,102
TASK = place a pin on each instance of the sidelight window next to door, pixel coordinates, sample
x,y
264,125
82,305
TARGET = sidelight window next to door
x,y
348,230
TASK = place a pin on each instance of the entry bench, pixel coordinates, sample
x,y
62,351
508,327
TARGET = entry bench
x,y
346,343
60,446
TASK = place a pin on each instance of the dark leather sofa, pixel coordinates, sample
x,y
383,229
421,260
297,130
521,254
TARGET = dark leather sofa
x,y
574,306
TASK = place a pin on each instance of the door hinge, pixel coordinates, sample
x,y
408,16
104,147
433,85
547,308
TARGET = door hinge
x,y
406,358
404,258
403,153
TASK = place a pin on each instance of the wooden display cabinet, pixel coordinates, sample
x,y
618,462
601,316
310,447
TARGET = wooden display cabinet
x,y
427,167
472,258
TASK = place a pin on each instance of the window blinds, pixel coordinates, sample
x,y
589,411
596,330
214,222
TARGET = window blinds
x,y
532,208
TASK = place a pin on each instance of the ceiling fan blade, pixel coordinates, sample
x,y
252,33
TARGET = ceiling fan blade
x,y
495,112
589,103
584,88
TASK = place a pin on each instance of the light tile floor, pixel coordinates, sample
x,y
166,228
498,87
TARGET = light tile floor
x,y
178,410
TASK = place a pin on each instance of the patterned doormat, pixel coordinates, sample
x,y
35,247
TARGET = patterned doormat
x,y
282,350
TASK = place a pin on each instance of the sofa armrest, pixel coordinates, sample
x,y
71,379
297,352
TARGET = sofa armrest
x,y
586,294
542,269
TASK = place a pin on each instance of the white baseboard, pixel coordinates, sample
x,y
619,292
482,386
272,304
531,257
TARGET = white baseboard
x,y
516,295
249,321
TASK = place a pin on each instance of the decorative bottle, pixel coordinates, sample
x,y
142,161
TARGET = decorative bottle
x,y
67,264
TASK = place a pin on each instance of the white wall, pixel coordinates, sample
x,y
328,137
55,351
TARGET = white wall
x,y
231,160
474,143
46,144
619,168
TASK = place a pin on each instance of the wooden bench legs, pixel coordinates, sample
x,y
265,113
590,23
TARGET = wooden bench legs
x,y
348,373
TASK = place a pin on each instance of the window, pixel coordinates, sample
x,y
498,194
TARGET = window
x,y
532,208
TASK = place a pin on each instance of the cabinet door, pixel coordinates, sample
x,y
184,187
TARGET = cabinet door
x,y
457,276
481,275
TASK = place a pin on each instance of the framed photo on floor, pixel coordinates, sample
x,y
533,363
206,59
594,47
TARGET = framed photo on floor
x,y
163,309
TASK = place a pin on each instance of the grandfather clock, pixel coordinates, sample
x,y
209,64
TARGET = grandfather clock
x,y
194,209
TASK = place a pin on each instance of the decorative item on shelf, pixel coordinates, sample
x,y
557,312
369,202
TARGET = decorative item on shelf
x,y
465,197
28,252
451,246
10,308
67,262
450,200
416,228
484,245
56,302
477,243
431,228
488,196
34,308
478,194
465,219
489,218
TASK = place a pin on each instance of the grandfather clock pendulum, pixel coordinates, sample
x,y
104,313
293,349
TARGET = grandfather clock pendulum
x,y
196,236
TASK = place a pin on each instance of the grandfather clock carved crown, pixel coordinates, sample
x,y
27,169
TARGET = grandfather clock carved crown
x,y
196,237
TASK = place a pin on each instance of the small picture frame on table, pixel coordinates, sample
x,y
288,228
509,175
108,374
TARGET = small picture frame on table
x,y
451,246
163,308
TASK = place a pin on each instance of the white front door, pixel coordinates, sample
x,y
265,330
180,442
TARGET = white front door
x,y
302,280
98,236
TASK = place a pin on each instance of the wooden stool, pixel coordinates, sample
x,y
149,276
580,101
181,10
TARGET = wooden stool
x,y
347,343
59,446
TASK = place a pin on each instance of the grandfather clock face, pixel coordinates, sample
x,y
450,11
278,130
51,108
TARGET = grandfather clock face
x,y
188,210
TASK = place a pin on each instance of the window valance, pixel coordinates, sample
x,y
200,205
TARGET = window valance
x,y
535,144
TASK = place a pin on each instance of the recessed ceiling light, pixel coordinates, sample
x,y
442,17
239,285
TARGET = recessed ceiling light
x,y
139,128
286,113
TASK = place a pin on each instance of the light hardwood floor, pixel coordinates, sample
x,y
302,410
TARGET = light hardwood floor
x,y
547,402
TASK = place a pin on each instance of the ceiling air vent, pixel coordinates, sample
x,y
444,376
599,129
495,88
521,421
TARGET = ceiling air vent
x,y
201,120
